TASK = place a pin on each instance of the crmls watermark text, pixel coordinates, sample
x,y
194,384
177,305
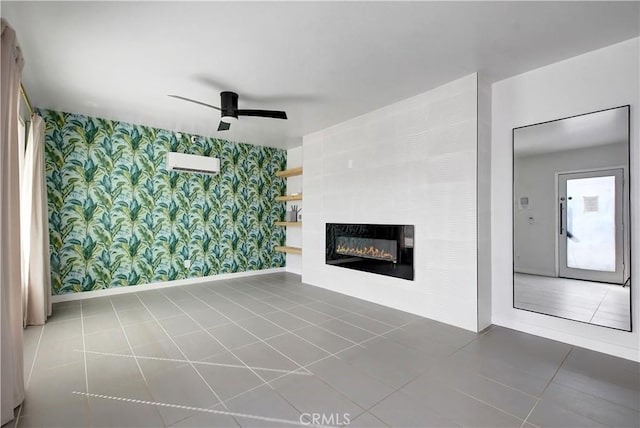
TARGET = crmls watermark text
x,y
325,419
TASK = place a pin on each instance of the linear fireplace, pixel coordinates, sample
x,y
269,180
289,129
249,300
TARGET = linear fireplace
x,y
384,249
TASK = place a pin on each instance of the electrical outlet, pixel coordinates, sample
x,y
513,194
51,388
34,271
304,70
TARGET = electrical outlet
x,y
187,263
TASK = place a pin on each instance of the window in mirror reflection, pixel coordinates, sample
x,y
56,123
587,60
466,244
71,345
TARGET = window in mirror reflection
x,y
571,245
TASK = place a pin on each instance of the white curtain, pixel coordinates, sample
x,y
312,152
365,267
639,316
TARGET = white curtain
x,y
11,363
35,241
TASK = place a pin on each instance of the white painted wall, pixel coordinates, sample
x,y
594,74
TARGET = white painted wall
x,y
535,178
593,81
414,162
484,203
294,234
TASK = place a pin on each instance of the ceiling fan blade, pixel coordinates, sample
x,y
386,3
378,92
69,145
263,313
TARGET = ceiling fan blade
x,y
223,126
263,113
195,101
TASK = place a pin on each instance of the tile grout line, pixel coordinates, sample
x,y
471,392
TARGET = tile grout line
x,y
284,333
18,416
306,305
339,318
496,381
489,404
283,328
215,338
472,371
84,358
248,331
198,409
126,337
244,291
179,349
393,391
598,307
479,335
35,356
349,312
461,392
504,385
591,395
84,349
309,324
205,363
287,331
525,421
556,372
335,354
314,300
33,365
333,305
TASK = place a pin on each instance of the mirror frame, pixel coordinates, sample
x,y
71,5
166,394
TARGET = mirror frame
x,y
626,200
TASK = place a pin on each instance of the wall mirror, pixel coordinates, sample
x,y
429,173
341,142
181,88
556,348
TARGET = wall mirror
x,y
571,234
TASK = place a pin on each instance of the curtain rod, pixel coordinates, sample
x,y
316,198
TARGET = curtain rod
x,y
26,99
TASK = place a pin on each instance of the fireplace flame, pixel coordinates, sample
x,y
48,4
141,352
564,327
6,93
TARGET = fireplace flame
x,y
371,252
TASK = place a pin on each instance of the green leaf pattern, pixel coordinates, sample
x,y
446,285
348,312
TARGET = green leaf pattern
x,y
117,217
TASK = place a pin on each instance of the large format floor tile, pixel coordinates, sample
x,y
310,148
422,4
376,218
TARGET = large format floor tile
x,y
270,351
402,410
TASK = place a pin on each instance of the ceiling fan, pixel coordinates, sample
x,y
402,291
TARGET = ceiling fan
x,y
229,110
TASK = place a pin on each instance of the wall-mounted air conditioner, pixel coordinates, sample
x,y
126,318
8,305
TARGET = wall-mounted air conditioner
x,y
182,162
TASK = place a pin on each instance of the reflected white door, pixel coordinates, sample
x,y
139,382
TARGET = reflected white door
x,y
590,245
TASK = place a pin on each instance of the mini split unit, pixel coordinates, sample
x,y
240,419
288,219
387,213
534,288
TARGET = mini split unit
x,y
181,162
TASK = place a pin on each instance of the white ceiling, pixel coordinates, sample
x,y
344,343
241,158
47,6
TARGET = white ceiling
x,y
579,132
321,62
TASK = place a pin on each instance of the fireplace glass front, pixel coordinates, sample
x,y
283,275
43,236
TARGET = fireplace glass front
x,y
377,248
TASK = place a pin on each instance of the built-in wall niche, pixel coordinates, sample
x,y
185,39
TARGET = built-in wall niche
x,y
382,249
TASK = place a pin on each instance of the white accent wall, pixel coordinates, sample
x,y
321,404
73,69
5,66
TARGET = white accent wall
x,y
412,162
597,80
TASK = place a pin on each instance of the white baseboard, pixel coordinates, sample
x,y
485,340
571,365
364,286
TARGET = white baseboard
x,y
157,285
576,338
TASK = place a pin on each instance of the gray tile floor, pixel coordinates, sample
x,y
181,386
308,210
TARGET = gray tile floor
x,y
271,351
597,303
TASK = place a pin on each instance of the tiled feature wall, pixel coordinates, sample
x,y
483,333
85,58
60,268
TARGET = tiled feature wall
x,y
413,162
118,218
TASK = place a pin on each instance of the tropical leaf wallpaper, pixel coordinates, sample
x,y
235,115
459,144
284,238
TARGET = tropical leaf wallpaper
x,y
118,218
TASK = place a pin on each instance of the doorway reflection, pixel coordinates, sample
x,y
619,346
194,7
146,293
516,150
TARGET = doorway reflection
x,y
571,199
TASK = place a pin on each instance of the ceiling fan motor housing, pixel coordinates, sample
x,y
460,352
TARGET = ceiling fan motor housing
x,y
229,104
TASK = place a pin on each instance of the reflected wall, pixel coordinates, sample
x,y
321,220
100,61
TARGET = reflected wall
x,y
571,246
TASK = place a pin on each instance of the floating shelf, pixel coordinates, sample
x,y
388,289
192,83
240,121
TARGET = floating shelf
x,y
289,172
289,223
297,197
290,250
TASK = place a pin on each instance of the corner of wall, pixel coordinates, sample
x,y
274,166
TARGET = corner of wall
x,y
294,234
484,202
